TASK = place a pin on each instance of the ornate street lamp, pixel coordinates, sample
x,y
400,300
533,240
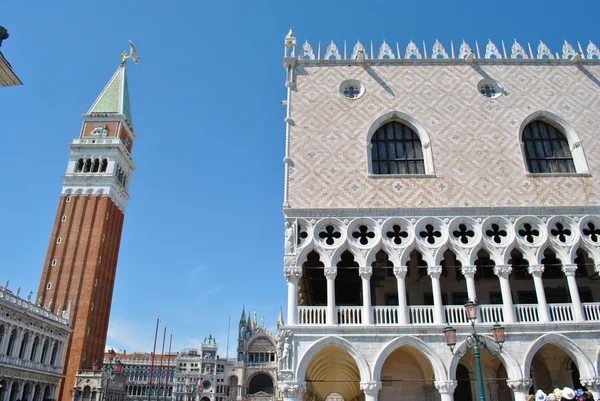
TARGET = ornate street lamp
x,y
110,370
475,341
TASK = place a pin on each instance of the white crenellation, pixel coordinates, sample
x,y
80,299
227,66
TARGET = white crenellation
x,y
307,52
412,50
332,51
567,51
544,51
491,50
464,50
517,50
358,48
385,50
438,50
592,51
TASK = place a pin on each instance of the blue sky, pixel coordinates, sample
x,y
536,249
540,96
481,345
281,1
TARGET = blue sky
x,y
203,233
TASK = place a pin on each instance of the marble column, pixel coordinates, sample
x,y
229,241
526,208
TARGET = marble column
x,y
520,388
438,308
292,276
330,273
371,390
446,389
536,272
400,273
365,276
592,384
4,342
469,273
503,273
569,271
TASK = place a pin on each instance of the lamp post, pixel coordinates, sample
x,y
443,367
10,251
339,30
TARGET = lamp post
x,y
475,341
110,370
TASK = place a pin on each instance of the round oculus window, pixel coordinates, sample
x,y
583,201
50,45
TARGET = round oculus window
x,y
352,89
490,88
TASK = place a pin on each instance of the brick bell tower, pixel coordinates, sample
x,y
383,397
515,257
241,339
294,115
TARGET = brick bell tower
x,y
81,263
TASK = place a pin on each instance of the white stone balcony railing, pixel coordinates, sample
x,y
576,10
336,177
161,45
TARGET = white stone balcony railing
x,y
262,365
103,141
454,314
14,361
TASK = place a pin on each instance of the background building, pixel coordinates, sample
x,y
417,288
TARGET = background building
x,y
32,343
417,180
7,75
81,263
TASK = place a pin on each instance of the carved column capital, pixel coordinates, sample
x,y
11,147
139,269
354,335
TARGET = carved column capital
x,y
292,273
445,386
370,388
468,271
503,271
592,383
597,268
291,389
536,270
434,271
289,261
519,385
400,272
365,272
330,273
569,270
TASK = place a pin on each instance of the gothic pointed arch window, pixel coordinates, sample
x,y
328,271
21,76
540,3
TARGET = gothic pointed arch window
x,y
396,149
546,149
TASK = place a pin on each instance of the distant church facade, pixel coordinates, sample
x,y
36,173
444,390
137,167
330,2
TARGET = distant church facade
x,y
423,177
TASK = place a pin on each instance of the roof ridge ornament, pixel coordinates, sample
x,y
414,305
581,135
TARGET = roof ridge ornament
x,y
438,50
543,50
385,50
592,50
307,51
464,50
492,50
358,48
517,50
332,51
568,51
412,50
132,54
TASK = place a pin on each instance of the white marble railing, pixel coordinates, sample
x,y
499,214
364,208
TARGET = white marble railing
x,y
9,297
591,311
385,314
312,315
261,365
349,314
491,313
527,313
421,314
11,360
561,312
456,314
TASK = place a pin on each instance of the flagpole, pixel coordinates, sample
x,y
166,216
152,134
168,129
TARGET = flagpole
x,y
152,359
168,363
162,353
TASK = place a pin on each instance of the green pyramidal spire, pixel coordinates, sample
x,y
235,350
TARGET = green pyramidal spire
x,y
114,98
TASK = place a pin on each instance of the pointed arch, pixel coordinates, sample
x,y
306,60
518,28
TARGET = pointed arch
x,y
381,247
432,356
414,125
359,359
509,361
564,127
585,366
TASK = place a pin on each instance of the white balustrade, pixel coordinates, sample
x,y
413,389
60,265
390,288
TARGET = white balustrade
x,y
11,360
527,313
561,312
456,314
421,314
386,314
591,311
491,313
349,314
312,314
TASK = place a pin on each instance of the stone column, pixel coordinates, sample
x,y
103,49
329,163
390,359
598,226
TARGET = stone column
x,y
7,390
292,276
520,387
365,276
371,390
330,273
469,273
4,342
592,384
493,389
438,308
503,272
400,273
446,389
292,391
536,271
569,271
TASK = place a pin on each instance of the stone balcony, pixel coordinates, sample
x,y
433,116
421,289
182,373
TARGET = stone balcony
x,y
454,314
30,365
